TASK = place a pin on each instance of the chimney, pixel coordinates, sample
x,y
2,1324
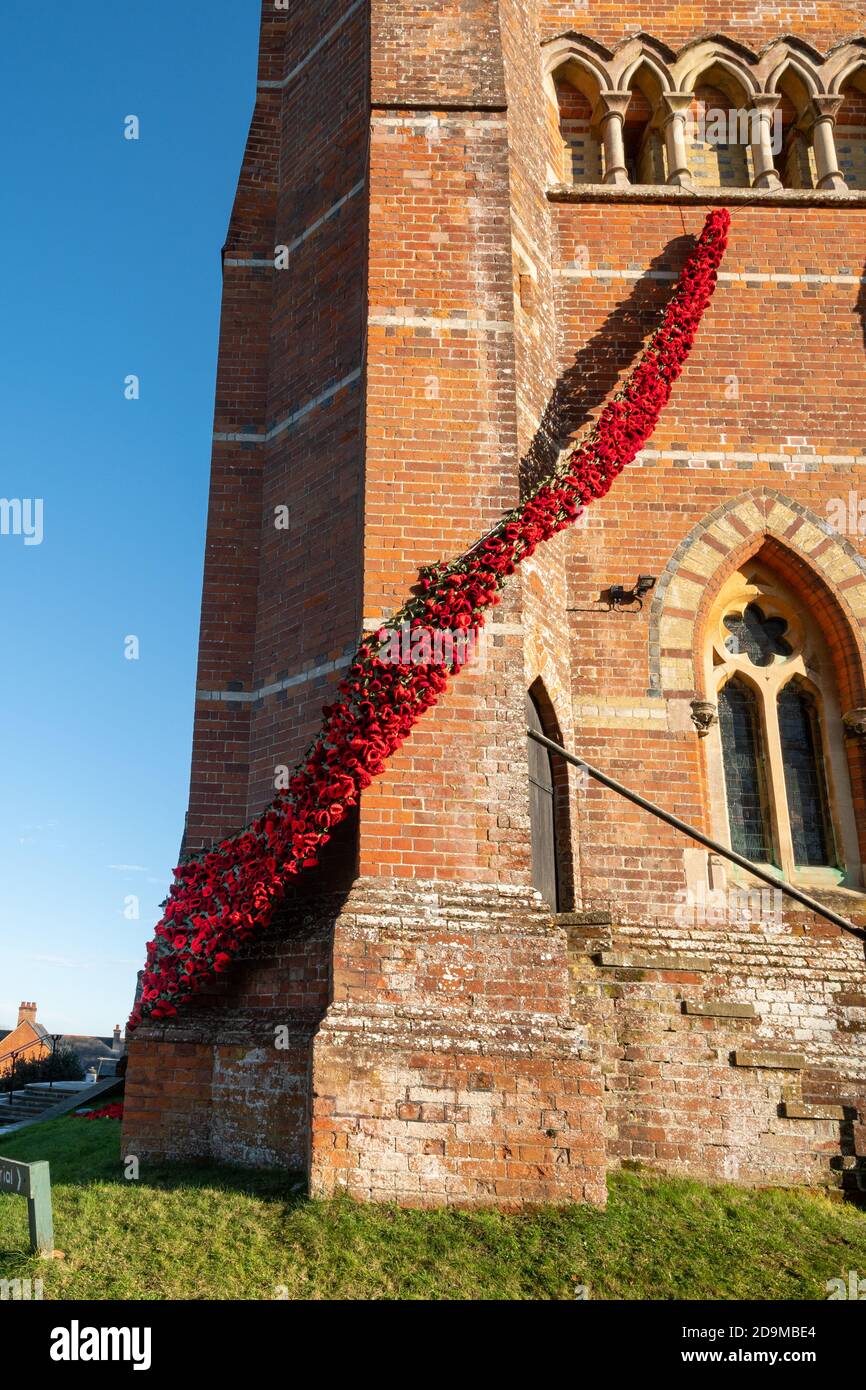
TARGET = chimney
x,y
26,1012
117,1041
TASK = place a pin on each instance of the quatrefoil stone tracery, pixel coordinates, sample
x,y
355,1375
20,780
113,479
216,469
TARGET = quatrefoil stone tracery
x,y
756,636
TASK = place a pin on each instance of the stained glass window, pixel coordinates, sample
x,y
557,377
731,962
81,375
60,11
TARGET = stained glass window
x,y
804,776
740,727
759,637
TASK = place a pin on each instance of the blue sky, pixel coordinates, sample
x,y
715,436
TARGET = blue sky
x,y
112,267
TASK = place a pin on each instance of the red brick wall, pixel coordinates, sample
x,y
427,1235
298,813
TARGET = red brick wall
x,y
289,337
608,21
405,158
772,336
440,466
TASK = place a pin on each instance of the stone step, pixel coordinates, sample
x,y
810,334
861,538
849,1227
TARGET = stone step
x,y
850,1172
584,919
854,1179
35,1104
51,1104
11,1115
30,1103
718,1008
774,1061
637,960
798,1110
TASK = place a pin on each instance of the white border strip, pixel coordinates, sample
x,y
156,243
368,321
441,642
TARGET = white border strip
x,y
292,419
314,227
801,462
247,697
317,48
464,117
448,323
299,240
744,277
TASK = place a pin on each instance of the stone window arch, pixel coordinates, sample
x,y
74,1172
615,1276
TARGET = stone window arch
x,y
793,122
577,153
720,128
642,132
574,76
850,128
827,576
778,776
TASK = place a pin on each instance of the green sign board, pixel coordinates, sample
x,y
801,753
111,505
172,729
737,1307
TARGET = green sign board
x,y
33,1181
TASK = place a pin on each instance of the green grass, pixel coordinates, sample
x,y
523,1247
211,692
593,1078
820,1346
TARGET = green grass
x,y
222,1233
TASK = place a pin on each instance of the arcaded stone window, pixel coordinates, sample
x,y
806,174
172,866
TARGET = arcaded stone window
x,y
720,132
581,157
792,125
778,771
850,131
642,137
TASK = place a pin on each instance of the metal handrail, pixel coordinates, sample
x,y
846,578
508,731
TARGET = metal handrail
x,y
782,884
27,1047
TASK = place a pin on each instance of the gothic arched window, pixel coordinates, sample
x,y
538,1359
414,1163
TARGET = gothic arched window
x,y
778,769
792,133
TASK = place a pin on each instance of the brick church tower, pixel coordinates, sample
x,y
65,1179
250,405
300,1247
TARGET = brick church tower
x,y
457,222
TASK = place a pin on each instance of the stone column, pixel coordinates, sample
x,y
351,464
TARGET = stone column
x,y
824,110
609,114
675,107
761,117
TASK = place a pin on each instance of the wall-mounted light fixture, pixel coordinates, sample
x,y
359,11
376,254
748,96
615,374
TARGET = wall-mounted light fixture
x,y
621,597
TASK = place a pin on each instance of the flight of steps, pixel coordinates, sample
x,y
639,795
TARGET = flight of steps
x,y
673,1025
30,1103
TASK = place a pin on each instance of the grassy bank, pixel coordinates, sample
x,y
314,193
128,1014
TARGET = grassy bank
x,y
219,1233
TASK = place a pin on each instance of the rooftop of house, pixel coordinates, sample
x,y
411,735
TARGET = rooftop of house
x,y
91,1048
27,1033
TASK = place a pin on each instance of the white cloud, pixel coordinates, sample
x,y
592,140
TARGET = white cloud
x,y
61,961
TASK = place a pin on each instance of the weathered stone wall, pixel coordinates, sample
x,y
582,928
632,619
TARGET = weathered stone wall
x,y
730,1053
229,1079
449,1066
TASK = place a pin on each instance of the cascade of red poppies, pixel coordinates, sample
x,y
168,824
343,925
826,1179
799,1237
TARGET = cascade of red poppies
x,y
222,898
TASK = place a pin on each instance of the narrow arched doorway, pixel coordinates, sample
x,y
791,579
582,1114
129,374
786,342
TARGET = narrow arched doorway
x,y
542,812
